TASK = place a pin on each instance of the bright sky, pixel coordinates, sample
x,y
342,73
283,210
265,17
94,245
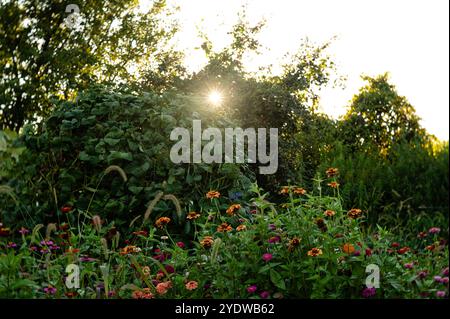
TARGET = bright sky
x,y
407,38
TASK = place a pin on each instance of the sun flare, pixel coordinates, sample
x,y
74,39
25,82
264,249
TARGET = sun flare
x,y
215,98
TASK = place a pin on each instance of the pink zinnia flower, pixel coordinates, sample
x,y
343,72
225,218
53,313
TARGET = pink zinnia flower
x,y
264,294
50,290
252,289
445,271
437,278
422,274
434,230
267,257
444,280
181,244
369,292
409,265
357,253
275,239
440,294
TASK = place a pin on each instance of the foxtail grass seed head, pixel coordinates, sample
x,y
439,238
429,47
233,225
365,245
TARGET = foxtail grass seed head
x,y
115,168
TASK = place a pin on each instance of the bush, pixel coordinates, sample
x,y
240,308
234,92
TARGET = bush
x,y
67,154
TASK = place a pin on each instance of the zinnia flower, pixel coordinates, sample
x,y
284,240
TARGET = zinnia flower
x,y
445,271
403,250
329,213
267,257
422,274
233,209
315,252
368,252
409,265
192,215
23,231
66,209
274,239
437,279
348,248
191,285
333,184
162,221
422,234
181,244
49,290
299,191
224,227
252,289
163,287
241,228
207,242
284,190
369,292
129,250
212,194
354,213
440,294
434,230
264,294
293,243
332,171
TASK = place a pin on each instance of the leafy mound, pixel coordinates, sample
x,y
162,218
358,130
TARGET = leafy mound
x,y
67,154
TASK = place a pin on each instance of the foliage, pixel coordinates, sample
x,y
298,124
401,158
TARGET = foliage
x,y
68,153
310,246
41,57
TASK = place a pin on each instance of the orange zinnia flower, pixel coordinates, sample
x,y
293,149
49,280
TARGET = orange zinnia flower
x,y
191,285
162,221
333,184
192,215
354,213
224,227
315,252
212,194
332,172
299,191
284,190
233,208
329,213
129,250
163,287
348,248
241,228
207,241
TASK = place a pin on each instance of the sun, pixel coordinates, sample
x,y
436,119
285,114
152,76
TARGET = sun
x,y
215,98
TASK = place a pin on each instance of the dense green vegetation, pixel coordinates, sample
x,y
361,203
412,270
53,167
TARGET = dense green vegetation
x,y
84,151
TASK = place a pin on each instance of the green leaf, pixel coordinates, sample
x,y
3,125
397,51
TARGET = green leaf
x,y
114,155
277,279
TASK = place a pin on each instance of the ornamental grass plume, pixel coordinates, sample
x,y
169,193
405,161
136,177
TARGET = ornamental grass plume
x,y
115,168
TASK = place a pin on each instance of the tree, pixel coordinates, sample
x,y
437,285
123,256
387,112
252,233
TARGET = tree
x,y
379,117
43,55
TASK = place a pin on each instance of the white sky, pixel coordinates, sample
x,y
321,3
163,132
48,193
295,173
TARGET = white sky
x,y
408,38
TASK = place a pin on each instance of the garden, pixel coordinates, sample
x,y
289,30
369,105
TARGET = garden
x,y
93,207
